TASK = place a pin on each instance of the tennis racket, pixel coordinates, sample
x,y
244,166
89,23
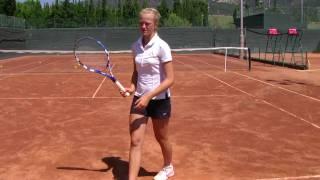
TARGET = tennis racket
x,y
93,56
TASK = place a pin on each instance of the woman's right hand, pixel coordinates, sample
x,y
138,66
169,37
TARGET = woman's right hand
x,y
129,90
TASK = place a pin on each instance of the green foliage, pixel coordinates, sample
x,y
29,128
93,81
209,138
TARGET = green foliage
x,y
221,22
1,7
221,8
164,11
8,7
314,25
98,13
32,11
131,10
173,21
145,3
195,11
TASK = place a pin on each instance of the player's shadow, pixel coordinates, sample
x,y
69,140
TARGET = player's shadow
x,y
118,167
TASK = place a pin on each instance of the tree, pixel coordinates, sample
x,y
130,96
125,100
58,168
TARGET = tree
x,y
145,4
103,8
235,14
177,8
93,13
46,15
9,7
131,10
1,7
195,11
80,17
67,14
174,21
163,10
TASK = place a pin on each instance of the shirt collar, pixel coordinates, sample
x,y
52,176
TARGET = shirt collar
x,y
151,42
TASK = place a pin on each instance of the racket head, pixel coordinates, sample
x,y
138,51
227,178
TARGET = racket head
x,y
93,56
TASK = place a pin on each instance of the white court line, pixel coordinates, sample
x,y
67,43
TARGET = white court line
x,y
105,97
19,67
255,79
97,90
293,178
38,66
310,70
53,52
279,87
49,98
87,97
253,96
291,114
24,72
42,73
49,73
22,65
111,52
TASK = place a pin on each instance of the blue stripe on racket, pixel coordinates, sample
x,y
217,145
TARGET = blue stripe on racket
x,y
93,56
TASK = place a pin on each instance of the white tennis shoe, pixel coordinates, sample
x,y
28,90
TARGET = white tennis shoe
x,y
165,173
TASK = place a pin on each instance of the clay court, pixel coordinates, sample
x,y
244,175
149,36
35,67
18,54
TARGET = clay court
x,y
60,122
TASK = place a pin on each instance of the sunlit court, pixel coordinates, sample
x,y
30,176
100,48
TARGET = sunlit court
x,y
59,121
240,111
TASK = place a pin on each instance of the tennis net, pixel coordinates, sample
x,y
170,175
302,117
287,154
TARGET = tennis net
x,y
225,57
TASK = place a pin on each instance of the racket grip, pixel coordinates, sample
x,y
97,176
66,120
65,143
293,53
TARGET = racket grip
x,y
121,88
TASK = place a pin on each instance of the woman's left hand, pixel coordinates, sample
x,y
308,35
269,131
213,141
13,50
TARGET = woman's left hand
x,y
142,102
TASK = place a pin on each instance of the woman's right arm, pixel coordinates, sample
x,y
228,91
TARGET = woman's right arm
x,y
134,77
131,89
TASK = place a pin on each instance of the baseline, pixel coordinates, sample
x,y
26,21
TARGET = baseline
x,y
293,178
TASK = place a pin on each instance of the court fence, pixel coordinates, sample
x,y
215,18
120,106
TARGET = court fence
x,y
122,38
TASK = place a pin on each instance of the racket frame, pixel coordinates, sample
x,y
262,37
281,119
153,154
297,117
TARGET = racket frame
x,y
109,67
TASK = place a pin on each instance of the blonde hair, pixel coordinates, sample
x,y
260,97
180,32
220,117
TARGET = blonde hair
x,y
154,11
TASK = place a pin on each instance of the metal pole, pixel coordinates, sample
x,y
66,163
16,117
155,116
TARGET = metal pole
x,y
241,30
302,15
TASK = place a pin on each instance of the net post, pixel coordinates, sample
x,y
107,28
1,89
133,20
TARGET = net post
x,y
308,64
225,59
249,58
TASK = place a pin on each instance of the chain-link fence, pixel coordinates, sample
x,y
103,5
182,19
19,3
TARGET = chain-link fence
x,y
12,22
273,12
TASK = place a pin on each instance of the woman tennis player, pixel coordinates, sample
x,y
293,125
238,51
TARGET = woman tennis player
x,y
151,78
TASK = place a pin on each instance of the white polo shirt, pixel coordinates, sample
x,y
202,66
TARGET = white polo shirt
x,y
149,65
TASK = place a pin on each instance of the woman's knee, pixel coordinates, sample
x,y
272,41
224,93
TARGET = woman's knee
x,y
162,139
136,141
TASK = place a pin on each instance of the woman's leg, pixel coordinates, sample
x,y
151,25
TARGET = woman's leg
x,y
137,124
161,131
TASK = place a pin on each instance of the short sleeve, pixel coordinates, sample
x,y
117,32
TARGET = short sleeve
x,y
165,52
133,49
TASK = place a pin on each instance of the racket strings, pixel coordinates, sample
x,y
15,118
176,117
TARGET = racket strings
x,y
109,66
93,56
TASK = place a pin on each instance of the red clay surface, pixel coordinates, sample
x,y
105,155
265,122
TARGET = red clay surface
x,y
59,122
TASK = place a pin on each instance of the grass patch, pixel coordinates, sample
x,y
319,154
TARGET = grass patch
x,y
221,22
